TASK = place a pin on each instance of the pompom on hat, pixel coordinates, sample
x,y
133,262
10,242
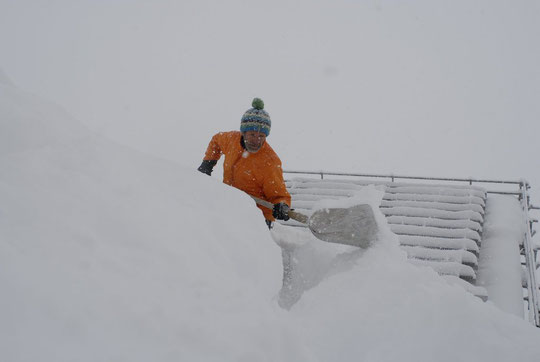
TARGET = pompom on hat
x,y
256,118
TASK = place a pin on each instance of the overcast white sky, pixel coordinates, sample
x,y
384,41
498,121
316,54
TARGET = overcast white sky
x,y
433,88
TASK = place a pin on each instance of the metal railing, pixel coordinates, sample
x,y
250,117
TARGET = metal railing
x,y
530,258
528,250
393,177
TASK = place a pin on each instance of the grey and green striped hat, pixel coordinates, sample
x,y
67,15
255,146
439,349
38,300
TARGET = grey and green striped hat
x,y
256,118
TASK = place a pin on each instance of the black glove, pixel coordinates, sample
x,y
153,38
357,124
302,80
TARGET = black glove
x,y
207,166
281,211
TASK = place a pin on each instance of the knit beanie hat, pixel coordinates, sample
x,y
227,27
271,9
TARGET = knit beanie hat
x,y
256,118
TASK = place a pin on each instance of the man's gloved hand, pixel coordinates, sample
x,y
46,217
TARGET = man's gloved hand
x,y
281,211
207,166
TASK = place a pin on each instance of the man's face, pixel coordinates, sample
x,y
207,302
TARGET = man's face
x,y
254,140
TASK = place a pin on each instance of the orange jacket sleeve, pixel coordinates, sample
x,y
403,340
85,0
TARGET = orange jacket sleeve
x,y
274,186
214,149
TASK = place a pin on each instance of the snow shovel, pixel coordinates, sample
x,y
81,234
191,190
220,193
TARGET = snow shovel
x,y
354,225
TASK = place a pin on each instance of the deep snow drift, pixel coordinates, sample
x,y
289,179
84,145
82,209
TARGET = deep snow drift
x,y
107,254
499,267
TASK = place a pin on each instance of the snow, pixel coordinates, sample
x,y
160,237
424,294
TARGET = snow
x,y
435,205
439,198
456,190
478,291
459,256
434,231
431,222
341,190
447,268
456,244
499,268
109,254
441,214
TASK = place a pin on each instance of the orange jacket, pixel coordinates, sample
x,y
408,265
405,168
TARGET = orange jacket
x,y
259,174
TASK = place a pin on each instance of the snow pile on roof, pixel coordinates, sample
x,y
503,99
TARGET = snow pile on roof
x,y
499,268
109,254
28,123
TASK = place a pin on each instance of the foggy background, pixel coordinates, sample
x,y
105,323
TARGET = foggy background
x,y
430,88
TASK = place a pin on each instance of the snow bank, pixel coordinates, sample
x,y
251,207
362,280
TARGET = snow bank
x,y
373,305
28,122
384,309
307,261
499,266
107,254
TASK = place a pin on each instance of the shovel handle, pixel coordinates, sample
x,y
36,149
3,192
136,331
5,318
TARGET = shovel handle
x,y
298,217
262,202
292,214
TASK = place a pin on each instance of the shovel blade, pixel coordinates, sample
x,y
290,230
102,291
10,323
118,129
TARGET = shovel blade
x,y
354,226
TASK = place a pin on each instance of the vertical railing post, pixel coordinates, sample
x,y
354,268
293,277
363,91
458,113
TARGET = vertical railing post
x,y
530,261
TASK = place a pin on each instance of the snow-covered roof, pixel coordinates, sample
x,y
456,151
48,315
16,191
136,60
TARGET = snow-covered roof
x,y
109,254
441,226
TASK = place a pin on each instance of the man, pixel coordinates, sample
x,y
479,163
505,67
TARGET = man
x,y
251,165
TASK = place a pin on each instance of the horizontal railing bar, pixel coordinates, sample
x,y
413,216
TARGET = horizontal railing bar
x,y
323,173
504,193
